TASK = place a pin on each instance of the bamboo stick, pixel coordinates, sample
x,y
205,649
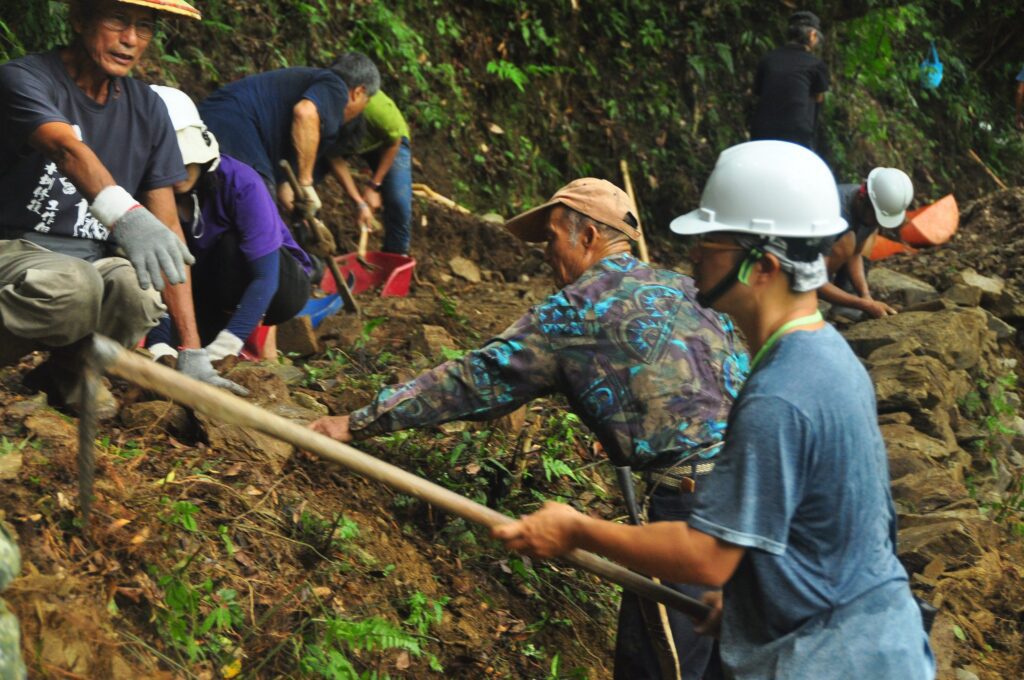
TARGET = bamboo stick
x,y
642,242
226,407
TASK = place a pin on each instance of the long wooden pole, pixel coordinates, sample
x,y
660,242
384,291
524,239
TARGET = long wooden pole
x,y
226,407
642,243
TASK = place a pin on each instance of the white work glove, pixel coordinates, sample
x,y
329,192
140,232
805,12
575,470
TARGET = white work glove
x,y
195,363
162,349
309,201
152,248
226,344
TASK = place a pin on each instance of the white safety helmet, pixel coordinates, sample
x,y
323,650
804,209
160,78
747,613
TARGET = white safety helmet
x,y
767,188
890,191
197,143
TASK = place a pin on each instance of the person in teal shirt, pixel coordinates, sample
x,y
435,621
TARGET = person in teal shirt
x,y
385,148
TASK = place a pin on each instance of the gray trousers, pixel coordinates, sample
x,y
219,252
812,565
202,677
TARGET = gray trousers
x,y
50,300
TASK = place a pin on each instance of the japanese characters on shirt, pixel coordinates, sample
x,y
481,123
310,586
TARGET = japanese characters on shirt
x,y
45,206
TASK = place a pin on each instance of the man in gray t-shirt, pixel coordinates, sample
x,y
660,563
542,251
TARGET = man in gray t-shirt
x,y
86,168
797,521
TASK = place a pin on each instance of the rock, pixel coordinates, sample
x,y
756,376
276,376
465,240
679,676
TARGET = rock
x,y
53,429
291,375
1009,305
306,401
911,451
236,439
963,295
1003,330
964,674
10,464
465,269
989,288
165,416
936,305
493,218
955,536
927,490
955,337
265,385
908,383
296,336
20,410
899,288
431,339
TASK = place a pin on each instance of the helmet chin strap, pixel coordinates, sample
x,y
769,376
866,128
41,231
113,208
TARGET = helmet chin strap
x,y
740,272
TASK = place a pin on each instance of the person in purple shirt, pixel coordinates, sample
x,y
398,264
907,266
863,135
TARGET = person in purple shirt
x,y
248,267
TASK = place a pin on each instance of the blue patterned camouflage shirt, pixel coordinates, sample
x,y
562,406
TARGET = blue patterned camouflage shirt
x,y
650,372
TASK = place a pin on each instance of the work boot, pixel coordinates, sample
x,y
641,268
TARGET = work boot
x,y
60,377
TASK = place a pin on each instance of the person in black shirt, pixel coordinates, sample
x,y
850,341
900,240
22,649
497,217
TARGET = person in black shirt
x,y
790,86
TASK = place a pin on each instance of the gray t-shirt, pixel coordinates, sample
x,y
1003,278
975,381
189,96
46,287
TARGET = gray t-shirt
x,y
131,135
803,485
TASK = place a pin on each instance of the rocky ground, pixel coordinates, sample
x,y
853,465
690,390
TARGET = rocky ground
x,y
216,552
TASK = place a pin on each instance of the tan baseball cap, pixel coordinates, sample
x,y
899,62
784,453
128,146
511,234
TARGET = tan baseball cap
x,y
598,199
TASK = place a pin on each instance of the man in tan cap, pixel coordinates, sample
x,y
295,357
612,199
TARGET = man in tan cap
x,y
89,233
651,373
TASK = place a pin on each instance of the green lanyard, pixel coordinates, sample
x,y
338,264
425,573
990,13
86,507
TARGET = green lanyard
x,y
783,329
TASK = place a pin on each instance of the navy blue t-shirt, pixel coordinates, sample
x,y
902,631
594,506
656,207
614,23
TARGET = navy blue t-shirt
x,y
803,485
131,134
252,117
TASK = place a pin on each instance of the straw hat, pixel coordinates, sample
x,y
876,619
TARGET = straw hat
x,y
178,7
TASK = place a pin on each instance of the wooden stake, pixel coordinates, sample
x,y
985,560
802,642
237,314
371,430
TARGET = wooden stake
x,y
224,406
975,157
642,242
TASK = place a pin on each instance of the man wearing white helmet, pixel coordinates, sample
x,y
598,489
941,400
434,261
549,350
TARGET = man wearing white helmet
x,y
86,167
797,522
881,201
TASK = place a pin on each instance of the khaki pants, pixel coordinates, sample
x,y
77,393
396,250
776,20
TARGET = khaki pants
x,y
51,300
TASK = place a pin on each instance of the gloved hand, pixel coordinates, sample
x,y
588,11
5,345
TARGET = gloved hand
x,y
195,363
152,248
226,344
308,201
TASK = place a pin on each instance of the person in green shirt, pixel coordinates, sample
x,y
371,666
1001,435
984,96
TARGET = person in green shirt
x,y
385,148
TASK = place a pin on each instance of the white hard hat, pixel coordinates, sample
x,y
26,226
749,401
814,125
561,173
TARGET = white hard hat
x,y
890,191
197,143
768,188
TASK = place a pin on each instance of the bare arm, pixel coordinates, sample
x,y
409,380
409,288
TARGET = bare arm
x,y
855,268
75,160
386,160
341,172
305,138
669,550
178,298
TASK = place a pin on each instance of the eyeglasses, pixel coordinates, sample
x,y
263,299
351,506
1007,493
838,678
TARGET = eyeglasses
x,y
144,28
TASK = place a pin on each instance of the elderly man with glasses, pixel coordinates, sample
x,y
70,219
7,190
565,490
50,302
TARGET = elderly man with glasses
x,y
89,235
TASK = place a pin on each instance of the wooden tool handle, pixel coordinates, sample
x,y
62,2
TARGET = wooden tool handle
x,y
226,407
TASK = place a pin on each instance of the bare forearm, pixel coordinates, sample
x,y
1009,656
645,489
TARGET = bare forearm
x,y
74,159
669,550
385,162
341,171
305,139
855,267
837,296
1020,98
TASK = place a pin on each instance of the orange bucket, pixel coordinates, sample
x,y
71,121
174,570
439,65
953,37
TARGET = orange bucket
x,y
932,225
884,247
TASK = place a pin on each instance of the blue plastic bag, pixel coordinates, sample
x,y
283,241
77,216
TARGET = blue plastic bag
x,y
931,70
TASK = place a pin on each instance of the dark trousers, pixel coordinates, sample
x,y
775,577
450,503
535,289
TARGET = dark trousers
x,y
635,656
220,278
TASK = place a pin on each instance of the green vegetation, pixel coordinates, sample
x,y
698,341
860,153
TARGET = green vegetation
x,y
549,92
